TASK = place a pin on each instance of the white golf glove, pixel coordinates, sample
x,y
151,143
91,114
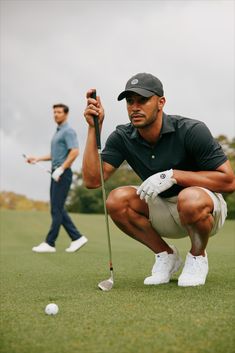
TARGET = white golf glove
x,y
156,184
57,173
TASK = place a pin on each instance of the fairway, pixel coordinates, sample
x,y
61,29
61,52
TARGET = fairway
x,y
130,318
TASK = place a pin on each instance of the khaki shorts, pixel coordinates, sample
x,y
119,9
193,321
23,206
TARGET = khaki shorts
x,y
164,216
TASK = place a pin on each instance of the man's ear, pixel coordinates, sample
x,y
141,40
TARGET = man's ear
x,y
161,102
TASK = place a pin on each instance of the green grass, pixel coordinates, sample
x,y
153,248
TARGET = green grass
x,y
131,317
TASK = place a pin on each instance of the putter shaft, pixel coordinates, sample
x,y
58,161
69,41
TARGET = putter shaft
x,y
104,285
105,212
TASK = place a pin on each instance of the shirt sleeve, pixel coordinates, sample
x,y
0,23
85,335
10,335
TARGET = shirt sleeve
x,y
112,152
203,148
71,139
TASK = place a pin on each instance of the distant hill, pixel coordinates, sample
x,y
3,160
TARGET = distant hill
x,y
13,201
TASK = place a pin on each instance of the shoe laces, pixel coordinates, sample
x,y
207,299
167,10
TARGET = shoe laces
x,y
193,264
162,263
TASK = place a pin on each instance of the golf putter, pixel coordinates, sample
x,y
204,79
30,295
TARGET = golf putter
x,y
37,164
107,284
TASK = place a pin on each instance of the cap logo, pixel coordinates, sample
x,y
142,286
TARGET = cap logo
x,y
135,81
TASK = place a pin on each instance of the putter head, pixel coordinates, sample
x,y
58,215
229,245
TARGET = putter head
x,y
106,285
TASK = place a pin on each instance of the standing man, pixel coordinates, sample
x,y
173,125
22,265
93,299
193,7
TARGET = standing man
x,y
183,169
64,151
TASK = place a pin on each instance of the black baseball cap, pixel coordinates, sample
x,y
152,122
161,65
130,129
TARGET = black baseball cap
x,y
143,84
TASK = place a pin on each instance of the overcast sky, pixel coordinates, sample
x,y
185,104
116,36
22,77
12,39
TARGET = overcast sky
x,y
54,51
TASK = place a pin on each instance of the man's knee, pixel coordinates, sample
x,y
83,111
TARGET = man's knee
x,y
118,200
193,204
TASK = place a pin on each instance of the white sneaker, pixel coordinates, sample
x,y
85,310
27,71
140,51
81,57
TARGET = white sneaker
x,y
165,265
44,247
77,244
195,271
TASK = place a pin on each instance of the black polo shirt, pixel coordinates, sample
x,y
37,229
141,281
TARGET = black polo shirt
x,y
184,144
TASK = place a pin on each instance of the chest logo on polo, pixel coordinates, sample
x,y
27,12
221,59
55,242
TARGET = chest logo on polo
x,y
135,81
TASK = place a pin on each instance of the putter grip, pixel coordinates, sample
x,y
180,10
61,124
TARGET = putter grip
x,y
97,130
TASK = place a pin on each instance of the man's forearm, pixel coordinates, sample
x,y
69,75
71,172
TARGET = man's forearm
x,y
70,158
90,166
216,181
44,158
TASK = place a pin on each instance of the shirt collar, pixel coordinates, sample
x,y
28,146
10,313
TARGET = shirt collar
x,y
62,126
135,134
167,126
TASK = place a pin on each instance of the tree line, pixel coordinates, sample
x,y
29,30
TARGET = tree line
x,y
83,200
13,201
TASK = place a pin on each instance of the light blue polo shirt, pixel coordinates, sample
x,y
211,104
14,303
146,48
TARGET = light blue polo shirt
x,y
64,139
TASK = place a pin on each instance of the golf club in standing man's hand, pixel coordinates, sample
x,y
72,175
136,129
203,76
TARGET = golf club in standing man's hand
x,y
183,169
64,151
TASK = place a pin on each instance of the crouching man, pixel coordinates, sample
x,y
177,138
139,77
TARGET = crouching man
x,y
184,171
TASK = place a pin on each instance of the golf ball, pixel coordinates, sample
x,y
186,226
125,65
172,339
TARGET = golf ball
x,y
51,309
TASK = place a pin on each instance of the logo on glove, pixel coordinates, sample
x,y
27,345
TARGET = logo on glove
x,y
162,176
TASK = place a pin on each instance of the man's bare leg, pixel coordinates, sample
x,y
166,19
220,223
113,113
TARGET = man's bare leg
x,y
195,209
131,215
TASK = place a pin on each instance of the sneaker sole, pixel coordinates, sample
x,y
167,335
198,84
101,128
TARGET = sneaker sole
x,y
184,284
190,285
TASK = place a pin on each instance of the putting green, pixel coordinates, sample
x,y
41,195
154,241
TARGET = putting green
x,y
129,318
